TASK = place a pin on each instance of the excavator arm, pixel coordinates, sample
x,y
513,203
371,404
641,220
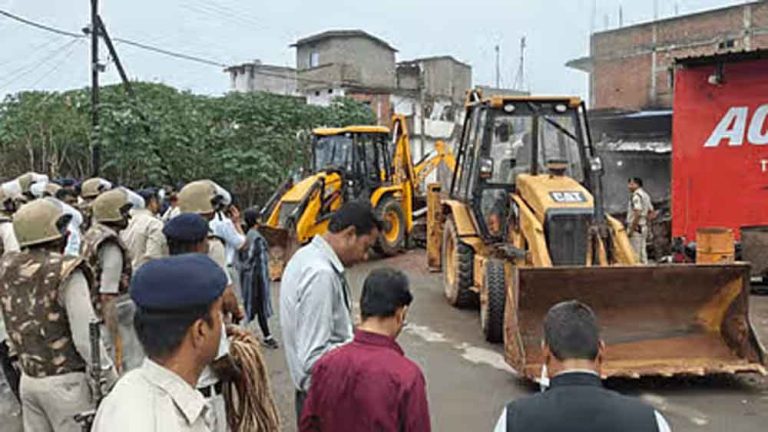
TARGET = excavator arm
x,y
441,154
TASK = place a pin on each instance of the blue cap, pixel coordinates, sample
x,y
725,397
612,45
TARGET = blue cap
x,y
186,227
178,282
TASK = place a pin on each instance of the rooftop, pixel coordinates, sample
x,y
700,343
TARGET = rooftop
x,y
330,34
727,57
433,58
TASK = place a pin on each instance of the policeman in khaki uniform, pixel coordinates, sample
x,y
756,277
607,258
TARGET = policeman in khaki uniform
x,y
144,237
45,302
204,197
8,244
638,210
179,322
107,256
89,190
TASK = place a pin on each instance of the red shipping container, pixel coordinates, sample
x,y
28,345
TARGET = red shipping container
x,y
720,147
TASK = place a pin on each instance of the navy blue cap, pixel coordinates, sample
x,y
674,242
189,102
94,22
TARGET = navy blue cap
x,y
186,227
178,282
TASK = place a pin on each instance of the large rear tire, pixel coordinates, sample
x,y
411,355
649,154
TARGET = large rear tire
x,y
492,310
392,238
458,271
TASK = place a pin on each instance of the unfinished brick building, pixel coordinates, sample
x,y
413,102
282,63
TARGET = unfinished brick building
x,y
632,68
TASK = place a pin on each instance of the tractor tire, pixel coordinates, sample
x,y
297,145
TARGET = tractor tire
x,y
458,269
392,238
492,311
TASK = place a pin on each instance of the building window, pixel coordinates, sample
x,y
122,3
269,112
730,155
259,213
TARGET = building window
x,y
727,44
330,91
314,59
317,93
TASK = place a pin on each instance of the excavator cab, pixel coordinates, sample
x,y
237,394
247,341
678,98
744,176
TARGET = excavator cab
x,y
523,227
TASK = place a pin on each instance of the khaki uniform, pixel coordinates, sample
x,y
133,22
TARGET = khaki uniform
x,y
639,201
144,238
153,398
45,302
107,257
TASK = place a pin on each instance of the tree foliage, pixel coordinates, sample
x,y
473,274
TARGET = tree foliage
x,y
247,142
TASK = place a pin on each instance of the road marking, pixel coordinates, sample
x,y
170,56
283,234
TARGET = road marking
x,y
425,333
479,355
473,354
691,414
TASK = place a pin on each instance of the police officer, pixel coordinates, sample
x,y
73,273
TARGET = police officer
x,y
179,323
8,244
638,210
89,190
108,257
144,235
45,301
204,198
28,181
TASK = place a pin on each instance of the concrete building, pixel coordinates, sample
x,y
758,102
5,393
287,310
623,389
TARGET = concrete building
x,y
254,77
348,63
632,67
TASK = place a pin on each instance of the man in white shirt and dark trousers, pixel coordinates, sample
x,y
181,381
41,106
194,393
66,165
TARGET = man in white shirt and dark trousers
x,y
315,303
576,400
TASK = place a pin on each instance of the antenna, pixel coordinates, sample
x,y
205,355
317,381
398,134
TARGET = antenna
x,y
655,10
498,75
621,16
520,77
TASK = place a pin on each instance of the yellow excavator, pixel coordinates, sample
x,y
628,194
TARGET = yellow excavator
x,y
353,162
522,227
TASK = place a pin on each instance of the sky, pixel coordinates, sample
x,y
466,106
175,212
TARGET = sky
x,y
239,31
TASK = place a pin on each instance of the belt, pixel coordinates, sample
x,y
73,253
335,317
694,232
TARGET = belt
x,y
210,391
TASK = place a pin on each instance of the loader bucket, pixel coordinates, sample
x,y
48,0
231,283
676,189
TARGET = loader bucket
x,y
661,320
281,247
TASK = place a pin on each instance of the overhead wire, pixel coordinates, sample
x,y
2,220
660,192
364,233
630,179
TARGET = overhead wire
x,y
163,51
23,71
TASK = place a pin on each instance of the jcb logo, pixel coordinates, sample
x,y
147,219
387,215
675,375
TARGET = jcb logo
x,y
733,127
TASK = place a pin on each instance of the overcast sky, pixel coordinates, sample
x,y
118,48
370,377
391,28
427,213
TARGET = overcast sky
x,y
238,31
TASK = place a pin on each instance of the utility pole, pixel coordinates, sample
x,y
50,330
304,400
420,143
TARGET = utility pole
x,y
95,133
423,102
118,63
655,10
621,16
498,68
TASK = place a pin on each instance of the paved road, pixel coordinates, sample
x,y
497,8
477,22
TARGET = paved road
x,y
469,383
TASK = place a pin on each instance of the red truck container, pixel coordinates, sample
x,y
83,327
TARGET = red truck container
x,y
720,144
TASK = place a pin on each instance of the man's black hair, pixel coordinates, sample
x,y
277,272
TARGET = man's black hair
x,y
385,291
162,332
178,247
63,193
359,214
571,332
251,216
149,194
637,180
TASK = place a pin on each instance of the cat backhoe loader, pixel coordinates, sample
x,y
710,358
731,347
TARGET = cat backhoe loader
x,y
522,227
354,162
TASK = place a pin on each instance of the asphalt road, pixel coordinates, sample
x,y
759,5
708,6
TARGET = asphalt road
x,y
469,382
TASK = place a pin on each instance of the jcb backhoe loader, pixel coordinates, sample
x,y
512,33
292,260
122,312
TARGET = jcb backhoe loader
x,y
354,162
522,228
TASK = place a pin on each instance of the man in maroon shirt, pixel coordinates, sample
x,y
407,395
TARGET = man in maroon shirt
x,y
369,384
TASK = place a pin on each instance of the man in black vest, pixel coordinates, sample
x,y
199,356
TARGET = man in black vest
x,y
576,400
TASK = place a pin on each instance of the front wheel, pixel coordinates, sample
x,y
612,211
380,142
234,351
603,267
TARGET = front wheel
x,y
458,272
392,238
492,308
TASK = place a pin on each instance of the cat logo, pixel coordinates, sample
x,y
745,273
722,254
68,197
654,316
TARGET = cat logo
x,y
568,197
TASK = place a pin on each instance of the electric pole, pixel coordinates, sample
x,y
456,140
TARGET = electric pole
x,y
95,133
498,66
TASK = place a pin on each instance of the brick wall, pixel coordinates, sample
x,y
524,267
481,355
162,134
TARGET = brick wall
x,y
625,74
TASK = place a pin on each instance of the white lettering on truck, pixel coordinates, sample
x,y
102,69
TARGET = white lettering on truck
x,y
733,127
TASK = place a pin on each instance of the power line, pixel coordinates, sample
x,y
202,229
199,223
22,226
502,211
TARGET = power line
x,y
155,49
40,26
22,71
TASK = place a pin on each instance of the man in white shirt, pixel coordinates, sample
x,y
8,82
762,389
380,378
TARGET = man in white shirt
x,y
315,303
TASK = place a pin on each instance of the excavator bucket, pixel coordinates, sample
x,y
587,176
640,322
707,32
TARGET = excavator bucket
x,y
282,245
660,320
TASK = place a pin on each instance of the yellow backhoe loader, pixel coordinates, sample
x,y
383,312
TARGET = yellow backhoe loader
x,y
354,162
522,227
